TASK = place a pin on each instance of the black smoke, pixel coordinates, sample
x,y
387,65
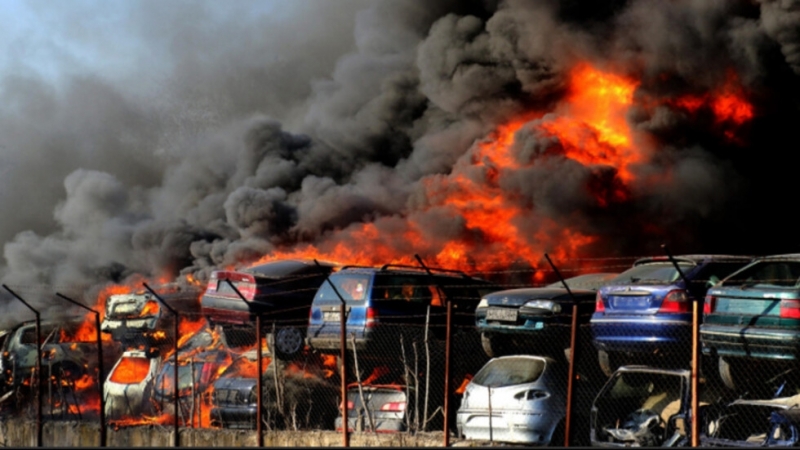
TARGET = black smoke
x,y
266,132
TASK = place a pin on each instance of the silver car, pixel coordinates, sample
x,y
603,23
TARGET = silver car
x,y
129,385
520,399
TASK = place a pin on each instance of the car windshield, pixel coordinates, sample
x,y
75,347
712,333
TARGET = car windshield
x,y
652,273
509,371
767,274
352,287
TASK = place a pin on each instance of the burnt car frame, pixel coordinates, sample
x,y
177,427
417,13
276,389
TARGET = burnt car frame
x,y
129,387
752,423
280,292
642,406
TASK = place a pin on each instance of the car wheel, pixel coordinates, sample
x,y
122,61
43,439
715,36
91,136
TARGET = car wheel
x,y
609,362
492,345
289,341
732,374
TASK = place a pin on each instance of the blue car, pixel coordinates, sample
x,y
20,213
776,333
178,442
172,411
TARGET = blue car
x,y
646,310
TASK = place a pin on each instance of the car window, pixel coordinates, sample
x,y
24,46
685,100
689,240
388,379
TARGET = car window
x,y
652,273
767,274
509,371
403,288
353,287
130,370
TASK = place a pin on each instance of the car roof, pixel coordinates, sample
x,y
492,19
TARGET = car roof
x,y
289,268
641,368
788,256
408,270
694,259
588,281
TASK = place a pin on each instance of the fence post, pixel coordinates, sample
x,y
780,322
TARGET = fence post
x,y
176,327
342,356
259,386
573,348
38,367
447,341
100,367
695,406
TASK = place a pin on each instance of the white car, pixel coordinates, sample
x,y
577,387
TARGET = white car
x,y
128,389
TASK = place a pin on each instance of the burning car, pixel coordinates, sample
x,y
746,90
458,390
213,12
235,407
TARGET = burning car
x,y
642,406
280,291
536,319
62,354
300,397
137,320
129,387
753,423
518,399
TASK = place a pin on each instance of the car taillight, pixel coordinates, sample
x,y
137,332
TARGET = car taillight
x,y
709,304
350,405
790,308
372,317
675,301
394,406
599,306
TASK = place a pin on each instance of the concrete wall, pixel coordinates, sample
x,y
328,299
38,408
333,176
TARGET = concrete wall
x,y
19,433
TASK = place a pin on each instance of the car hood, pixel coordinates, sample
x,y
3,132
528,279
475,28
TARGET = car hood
x,y
518,297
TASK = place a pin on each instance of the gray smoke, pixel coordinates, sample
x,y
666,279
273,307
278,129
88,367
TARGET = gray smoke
x,y
243,133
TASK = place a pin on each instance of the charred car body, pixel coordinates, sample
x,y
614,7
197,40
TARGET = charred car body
x,y
752,423
644,407
280,292
129,387
61,355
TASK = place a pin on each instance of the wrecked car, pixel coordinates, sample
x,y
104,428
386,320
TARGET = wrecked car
x,y
516,399
129,386
136,319
302,397
752,423
642,406
384,408
280,292
515,319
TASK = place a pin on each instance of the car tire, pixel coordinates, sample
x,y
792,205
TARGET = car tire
x,y
288,342
732,374
608,362
492,345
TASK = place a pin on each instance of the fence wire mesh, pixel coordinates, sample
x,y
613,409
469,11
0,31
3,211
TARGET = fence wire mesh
x,y
508,373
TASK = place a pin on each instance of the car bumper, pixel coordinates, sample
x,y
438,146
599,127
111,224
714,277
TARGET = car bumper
x,y
382,424
236,417
744,341
641,334
531,427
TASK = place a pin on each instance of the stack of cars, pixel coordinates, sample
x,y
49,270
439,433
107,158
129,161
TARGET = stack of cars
x,y
645,312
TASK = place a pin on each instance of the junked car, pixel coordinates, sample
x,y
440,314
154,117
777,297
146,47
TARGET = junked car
x,y
136,319
385,408
536,320
754,315
517,399
753,423
129,386
280,292
646,310
642,406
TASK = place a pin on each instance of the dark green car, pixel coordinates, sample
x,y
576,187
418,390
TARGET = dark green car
x,y
752,320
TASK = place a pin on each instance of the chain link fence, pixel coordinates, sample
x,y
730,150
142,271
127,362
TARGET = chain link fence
x,y
414,369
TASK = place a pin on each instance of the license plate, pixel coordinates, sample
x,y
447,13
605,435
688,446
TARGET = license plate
x,y
504,314
632,302
333,316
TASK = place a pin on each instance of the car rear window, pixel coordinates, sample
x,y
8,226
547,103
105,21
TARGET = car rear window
x,y
652,273
767,274
509,371
131,370
353,287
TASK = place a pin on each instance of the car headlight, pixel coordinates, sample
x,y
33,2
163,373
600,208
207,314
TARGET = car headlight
x,y
544,304
483,303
